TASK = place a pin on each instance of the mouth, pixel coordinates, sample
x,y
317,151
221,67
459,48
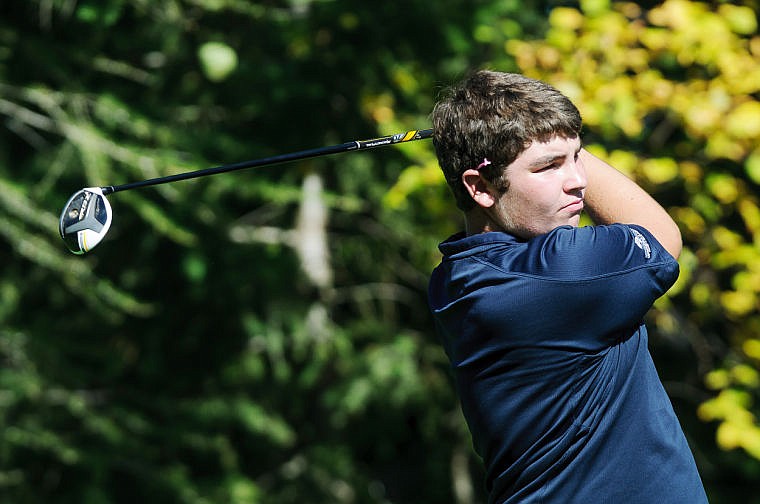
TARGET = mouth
x,y
574,206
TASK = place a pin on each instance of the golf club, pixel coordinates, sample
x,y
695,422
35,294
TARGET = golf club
x,y
87,215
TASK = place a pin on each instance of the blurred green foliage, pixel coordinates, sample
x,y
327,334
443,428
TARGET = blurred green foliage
x,y
263,336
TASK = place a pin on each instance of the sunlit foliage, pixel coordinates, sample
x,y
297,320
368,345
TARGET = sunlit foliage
x,y
264,337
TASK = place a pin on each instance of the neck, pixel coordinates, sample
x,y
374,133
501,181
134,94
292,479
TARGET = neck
x,y
477,221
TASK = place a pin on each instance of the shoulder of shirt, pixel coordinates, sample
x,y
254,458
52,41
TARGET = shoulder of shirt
x,y
570,253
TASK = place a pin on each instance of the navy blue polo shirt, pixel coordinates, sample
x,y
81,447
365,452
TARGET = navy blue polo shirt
x,y
549,353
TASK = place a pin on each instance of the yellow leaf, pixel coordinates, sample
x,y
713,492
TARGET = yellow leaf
x,y
548,57
725,238
701,295
741,19
717,379
410,180
690,220
744,120
738,303
656,39
752,166
728,436
729,403
595,7
747,281
751,441
745,375
724,187
754,46
566,18
720,144
751,347
691,172
750,213
659,170
703,118
624,161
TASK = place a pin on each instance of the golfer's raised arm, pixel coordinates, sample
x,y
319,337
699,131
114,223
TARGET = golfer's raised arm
x,y
611,197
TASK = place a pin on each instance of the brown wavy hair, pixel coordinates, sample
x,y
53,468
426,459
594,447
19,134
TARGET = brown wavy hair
x,y
496,115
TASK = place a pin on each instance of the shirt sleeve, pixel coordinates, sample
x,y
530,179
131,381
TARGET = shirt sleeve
x,y
600,279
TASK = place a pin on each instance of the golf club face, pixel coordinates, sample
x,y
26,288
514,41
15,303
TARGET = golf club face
x,y
85,220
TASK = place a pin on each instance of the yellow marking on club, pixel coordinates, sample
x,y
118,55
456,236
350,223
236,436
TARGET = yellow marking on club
x,y
409,135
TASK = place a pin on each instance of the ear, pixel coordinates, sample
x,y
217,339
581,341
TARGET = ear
x,y
480,190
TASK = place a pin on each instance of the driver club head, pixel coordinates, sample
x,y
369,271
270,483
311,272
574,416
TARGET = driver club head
x,y
85,220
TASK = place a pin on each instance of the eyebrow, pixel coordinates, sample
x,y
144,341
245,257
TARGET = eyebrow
x,y
546,160
550,158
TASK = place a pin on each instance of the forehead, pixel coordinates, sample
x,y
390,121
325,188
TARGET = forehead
x,y
551,149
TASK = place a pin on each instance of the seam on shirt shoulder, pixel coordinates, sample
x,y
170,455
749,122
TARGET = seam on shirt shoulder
x,y
591,278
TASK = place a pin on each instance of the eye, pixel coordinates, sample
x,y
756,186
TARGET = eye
x,y
548,167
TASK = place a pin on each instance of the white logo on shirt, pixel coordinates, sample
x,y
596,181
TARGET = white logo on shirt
x,y
641,242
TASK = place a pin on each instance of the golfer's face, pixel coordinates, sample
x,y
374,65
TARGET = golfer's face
x,y
546,187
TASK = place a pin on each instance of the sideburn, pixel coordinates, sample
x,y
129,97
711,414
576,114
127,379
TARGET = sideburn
x,y
496,176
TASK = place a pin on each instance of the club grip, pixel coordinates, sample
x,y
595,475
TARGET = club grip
x,y
394,139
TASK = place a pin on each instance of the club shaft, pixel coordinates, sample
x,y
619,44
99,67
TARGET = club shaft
x,y
282,158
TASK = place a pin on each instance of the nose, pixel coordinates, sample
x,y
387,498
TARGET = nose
x,y
575,181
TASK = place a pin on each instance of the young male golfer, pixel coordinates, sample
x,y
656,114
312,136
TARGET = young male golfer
x,y
542,319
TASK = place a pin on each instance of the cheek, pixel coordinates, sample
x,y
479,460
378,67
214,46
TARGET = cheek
x,y
536,196
548,191
521,208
